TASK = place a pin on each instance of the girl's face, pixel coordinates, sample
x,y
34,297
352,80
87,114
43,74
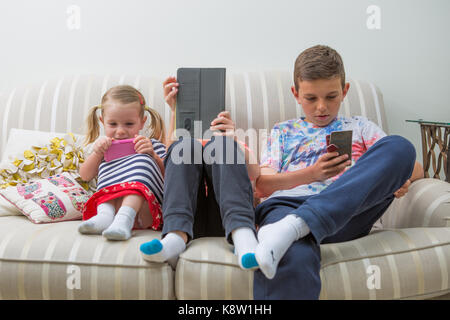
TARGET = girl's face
x,y
122,121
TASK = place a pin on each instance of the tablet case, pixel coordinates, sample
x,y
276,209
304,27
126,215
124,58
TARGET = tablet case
x,y
201,97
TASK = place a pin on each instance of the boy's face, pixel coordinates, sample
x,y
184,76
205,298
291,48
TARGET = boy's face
x,y
320,99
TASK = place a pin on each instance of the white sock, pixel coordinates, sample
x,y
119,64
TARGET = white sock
x,y
99,222
245,243
275,239
121,227
169,248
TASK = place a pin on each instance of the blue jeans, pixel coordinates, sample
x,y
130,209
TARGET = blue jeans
x,y
227,202
345,210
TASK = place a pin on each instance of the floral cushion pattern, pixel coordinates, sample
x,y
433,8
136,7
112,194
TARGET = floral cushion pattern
x,y
56,198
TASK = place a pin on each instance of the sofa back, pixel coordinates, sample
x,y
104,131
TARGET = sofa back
x,y
255,100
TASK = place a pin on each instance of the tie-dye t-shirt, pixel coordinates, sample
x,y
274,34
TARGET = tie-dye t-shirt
x,y
296,144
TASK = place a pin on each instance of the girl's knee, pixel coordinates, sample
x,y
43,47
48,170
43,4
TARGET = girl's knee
x,y
133,200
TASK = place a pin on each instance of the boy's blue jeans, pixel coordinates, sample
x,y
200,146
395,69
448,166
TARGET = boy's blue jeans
x,y
345,210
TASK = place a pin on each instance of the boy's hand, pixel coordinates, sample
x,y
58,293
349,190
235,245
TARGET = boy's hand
x,y
170,86
329,165
403,190
101,145
143,145
224,123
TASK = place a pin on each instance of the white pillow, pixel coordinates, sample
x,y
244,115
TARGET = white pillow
x,y
8,209
20,140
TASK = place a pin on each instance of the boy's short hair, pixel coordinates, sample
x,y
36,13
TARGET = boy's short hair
x,y
318,62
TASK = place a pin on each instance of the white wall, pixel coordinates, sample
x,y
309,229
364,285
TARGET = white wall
x,y
408,58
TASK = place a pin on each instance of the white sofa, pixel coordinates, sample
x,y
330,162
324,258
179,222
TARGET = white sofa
x,y
411,253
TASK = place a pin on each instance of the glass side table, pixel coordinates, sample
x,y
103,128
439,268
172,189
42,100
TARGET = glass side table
x,y
435,139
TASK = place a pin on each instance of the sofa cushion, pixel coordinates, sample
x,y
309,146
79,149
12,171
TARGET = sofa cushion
x,y
208,269
411,264
54,261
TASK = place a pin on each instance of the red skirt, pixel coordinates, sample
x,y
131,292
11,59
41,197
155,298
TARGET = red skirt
x,y
123,189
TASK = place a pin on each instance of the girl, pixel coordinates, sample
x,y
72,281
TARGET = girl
x,y
131,185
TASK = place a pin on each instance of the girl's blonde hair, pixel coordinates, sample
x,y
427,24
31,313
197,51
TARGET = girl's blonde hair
x,y
124,94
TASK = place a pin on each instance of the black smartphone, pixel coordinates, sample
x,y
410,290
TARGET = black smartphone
x,y
342,140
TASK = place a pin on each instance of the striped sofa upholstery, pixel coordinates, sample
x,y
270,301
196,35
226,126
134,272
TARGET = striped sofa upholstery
x,y
54,261
411,254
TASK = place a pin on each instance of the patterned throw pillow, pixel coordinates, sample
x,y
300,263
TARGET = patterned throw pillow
x,y
56,198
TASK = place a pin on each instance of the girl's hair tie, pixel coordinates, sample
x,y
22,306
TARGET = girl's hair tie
x,y
141,100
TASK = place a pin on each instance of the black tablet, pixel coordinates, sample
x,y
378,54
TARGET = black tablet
x,y
201,97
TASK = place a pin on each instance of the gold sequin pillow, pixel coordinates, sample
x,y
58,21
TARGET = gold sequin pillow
x,y
32,155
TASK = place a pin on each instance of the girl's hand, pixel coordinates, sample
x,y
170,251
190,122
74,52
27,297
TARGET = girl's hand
x,y
223,122
101,145
143,145
170,86
403,190
329,165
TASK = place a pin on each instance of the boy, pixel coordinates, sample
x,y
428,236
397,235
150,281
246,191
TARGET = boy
x,y
318,197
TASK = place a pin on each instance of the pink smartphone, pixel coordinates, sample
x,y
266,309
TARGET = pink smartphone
x,y
119,149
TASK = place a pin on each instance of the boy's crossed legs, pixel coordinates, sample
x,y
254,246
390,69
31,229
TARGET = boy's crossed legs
x,y
345,210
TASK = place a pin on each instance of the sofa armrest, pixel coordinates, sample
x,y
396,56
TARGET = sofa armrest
x,y
427,204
